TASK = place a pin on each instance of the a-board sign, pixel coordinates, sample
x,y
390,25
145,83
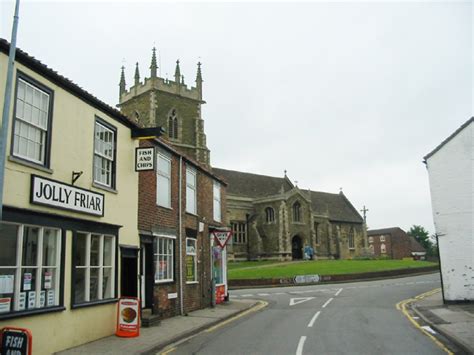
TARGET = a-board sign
x,y
222,237
128,317
16,341
144,159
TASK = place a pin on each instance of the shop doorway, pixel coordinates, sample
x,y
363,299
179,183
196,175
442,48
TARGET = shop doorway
x,y
296,248
129,272
147,275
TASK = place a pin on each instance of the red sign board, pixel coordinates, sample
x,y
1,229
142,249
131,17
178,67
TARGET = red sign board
x,y
16,341
222,237
128,317
220,294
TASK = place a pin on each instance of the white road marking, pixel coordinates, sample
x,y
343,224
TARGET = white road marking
x,y
428,329
299,349
247,295
279,293
327,302
310,324
338,292
299,300
263,294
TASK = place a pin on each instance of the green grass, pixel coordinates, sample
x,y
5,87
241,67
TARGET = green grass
x,y
272,269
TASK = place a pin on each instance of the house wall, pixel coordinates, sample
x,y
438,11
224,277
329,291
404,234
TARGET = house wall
x,y
451,171
72,150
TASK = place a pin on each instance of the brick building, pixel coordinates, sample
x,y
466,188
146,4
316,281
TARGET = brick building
x,y
394,243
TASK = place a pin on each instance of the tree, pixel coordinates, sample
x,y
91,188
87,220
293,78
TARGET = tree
x,y
421,235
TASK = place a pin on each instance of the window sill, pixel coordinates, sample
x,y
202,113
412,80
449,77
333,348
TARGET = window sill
x,y
103,187
94,303
29,164
31,312
192,282
161,282
192,214
165,207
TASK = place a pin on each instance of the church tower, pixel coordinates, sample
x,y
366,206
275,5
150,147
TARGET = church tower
x,y
170,104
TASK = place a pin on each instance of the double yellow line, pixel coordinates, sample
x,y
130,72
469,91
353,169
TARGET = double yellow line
x,y
402,306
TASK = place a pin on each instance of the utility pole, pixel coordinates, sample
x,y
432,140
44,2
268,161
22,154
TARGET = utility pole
x,y
6,104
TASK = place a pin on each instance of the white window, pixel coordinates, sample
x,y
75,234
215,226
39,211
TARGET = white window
x,y
94,267
383,250
382,238
191,260
30,126
217,201
104,155
371,239
164,258
163,181
239,232
30,265
190,190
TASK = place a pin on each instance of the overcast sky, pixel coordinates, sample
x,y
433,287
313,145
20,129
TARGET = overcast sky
x,y
348,94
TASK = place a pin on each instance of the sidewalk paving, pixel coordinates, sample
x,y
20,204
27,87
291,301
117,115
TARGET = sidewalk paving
x,y
167,332
455,322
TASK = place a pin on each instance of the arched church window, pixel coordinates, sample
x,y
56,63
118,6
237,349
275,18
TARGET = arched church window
x,y
270,214
351,238
296,212
173,124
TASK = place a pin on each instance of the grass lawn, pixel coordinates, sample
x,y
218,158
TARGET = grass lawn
x,y
272,269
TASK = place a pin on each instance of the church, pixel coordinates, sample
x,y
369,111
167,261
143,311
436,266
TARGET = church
x,y
271,218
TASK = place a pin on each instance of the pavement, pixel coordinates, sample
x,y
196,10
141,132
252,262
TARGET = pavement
x,y
169,331
454,321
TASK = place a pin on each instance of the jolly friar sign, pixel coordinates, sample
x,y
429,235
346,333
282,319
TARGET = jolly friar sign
x,y
59,195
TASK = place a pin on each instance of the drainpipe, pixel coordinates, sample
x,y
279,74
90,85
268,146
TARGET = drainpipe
x,y
180,234
247,216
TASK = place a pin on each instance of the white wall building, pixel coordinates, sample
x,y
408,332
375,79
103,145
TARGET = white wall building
x,y
451,169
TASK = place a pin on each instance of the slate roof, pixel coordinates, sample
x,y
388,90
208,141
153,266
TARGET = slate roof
x,y
399,234
258,186
391,230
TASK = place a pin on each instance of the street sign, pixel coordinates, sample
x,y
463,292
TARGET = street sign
x,y
299,300
305,279
222,237
16,341
144,159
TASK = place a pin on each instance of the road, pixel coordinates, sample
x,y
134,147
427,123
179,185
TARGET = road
x,y
349,318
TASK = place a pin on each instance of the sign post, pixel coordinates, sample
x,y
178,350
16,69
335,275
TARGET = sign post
x,y
128,317
16,341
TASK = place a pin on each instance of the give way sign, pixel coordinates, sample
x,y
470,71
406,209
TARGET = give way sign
x,y
222,237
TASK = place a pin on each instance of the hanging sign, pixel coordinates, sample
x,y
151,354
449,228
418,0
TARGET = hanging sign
x,y
144,159
57,194
128,317
222,237
16,341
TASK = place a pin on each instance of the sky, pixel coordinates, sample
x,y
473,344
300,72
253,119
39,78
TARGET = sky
x,y
346,95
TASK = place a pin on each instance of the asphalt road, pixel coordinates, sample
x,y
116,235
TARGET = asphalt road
x,y
349,318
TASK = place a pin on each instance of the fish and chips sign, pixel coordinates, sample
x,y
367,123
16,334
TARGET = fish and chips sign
x,y
59,195
222,237
144,159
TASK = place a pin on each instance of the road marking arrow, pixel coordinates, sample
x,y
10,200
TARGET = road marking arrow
x,y
299,300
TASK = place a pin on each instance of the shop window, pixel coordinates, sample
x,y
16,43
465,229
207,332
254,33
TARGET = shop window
x,y
239,232
296,212
94,267
104,154
30,267
164,258
31,126
191,260
163,181
190,190
351,238
217,265
217,201
269,215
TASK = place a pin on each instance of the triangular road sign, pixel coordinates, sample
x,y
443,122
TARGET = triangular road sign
x,y
299,300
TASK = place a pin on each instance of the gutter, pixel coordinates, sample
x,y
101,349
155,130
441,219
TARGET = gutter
x,y
180,235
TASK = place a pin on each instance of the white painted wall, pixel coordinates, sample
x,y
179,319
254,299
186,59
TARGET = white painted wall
x,y
451,171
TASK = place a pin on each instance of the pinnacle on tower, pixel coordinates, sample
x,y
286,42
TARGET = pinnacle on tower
x,y
153,66
182,79
177,72
122,84
137,75
199,81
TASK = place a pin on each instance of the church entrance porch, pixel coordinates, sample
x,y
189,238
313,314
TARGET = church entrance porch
x,y
296,248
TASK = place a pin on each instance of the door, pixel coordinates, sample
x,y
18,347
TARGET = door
x,y
147,275
129,272
296,248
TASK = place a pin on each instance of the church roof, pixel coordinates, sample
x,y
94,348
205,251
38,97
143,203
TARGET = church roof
x,y
257,186
252,185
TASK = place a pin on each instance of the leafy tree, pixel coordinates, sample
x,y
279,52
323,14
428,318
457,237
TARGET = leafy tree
x,y
422,236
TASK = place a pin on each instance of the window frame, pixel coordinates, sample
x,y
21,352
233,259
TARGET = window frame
x,y
195,261
193,188
239,232
383,248
382,238
351,239
113,179
38,270
169,160
371,240
269,215
74,267
156,254
296,212
47,144
217,201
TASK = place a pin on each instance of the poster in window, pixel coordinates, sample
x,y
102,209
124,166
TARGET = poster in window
x,y
22,301
50,298
42,298
48,278
5,305
31,299
190,268
162,269
6,283
27,277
